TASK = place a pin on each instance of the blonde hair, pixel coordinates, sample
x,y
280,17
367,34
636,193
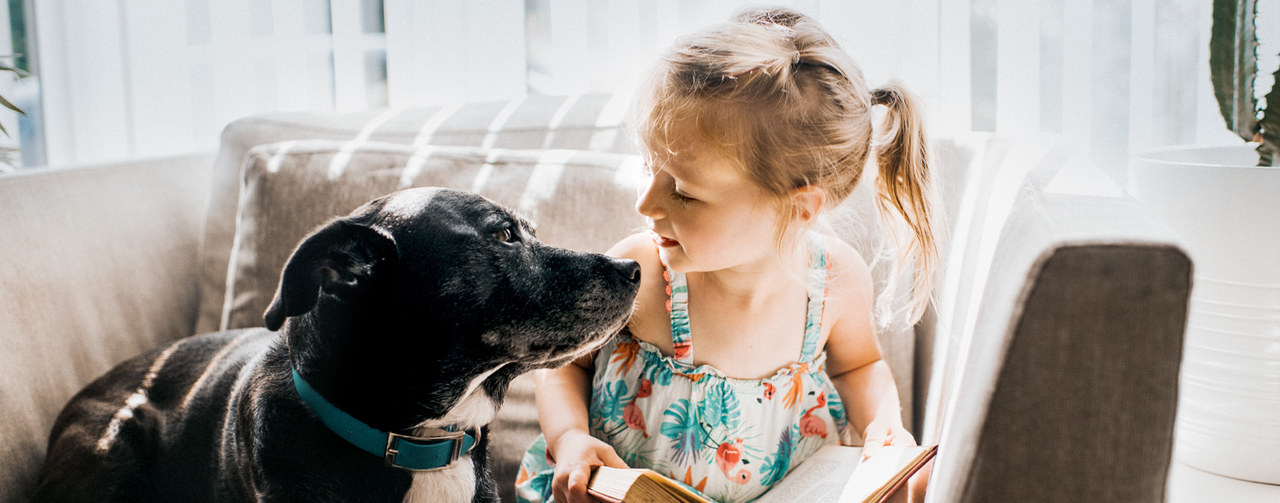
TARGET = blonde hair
x,y
776,95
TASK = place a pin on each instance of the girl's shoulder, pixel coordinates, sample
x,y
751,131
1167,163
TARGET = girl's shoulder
x,y
638,247
650,322
849,284
844,259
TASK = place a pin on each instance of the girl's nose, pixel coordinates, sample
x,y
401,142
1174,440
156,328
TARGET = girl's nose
x,y
647,204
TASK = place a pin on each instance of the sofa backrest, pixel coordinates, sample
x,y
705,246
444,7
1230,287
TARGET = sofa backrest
x,y
1064,307
100,265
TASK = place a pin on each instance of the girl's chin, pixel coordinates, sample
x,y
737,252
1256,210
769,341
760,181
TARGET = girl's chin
x,y
673,257
676,260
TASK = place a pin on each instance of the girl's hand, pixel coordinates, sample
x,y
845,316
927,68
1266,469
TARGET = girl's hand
x,y
577,453
881,433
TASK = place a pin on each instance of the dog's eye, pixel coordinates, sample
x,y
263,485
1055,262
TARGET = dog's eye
x,y
505,235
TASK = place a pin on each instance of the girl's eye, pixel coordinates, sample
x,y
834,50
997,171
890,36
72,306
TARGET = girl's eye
x,y
505,235
681,197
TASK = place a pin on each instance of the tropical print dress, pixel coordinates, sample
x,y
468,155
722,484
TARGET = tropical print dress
x,y
731,439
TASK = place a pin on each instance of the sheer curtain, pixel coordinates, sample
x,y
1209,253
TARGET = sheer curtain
x,y
129,78
1114,76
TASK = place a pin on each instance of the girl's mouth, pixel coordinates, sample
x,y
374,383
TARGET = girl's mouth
x,y
665,242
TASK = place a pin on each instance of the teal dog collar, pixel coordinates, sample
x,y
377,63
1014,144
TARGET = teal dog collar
x,y
437,450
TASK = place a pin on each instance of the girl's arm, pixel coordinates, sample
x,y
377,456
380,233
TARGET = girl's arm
x,y
871,399
854,362
564,393
562,399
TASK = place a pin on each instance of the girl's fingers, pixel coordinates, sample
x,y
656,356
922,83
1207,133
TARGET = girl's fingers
x,y
874,441
557,488
577,486
612,459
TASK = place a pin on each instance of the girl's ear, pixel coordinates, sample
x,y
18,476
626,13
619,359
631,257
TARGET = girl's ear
x,y
807,202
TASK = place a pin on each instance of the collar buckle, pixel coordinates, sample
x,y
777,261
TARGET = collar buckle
x,y
434,436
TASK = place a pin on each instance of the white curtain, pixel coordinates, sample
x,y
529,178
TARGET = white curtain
x,y
128,78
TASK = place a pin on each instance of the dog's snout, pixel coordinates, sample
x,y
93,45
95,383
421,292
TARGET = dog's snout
x,y
628,269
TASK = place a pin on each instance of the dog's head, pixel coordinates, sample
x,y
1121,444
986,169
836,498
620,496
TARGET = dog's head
x,y
419,293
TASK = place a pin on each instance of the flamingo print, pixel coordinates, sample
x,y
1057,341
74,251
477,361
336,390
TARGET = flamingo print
x,y
811,425
727,457
631,413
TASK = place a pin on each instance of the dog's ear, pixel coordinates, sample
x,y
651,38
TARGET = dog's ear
x,y
339,258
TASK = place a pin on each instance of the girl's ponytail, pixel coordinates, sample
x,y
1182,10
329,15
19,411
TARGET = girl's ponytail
x,y
905,186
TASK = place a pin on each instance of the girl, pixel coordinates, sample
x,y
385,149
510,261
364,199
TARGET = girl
x,y
751,344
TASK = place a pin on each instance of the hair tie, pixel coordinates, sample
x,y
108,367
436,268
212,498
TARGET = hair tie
x,y
795,58
886,97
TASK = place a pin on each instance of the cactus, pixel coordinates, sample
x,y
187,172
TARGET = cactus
x,y
1233,66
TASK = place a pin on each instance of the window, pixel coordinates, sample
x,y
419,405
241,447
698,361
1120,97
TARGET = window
x,y
118,79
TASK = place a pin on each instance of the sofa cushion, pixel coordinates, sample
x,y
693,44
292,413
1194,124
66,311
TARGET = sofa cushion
x,y
579,200
584,122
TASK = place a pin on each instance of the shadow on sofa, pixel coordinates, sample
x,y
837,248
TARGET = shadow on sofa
x,y
1047,367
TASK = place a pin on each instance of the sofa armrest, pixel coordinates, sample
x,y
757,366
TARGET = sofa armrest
x,y
1064,385
101,265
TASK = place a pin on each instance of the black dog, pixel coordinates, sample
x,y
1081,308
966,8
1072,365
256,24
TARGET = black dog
x,y
409,318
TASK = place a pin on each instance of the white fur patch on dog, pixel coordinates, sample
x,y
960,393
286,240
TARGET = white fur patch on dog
x,y
458,481
455,483
410,202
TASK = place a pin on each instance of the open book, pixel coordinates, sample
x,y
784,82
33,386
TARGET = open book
x,y
838,474
833,474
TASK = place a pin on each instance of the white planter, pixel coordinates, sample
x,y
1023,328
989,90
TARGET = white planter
x,y
1227,212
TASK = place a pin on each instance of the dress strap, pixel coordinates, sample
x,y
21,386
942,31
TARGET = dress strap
x,y
817,290
678,307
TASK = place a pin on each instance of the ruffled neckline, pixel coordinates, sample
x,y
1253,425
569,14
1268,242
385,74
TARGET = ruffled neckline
x,y
652,353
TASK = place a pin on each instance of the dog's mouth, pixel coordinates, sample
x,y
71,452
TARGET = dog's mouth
x,y
563,352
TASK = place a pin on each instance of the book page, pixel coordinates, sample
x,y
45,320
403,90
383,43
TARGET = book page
x,y
820,478
637,484
886,466
612,484
674,489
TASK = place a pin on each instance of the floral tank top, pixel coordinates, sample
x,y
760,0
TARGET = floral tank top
x,y
731,439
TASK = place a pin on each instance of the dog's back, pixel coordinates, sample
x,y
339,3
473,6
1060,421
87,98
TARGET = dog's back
x,y
131,433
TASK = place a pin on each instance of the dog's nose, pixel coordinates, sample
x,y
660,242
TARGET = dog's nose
x,y
628,269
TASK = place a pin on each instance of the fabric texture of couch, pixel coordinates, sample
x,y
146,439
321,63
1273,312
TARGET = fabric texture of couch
x,y
1047,367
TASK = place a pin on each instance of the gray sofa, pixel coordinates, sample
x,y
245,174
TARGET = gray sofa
x,y
1047,367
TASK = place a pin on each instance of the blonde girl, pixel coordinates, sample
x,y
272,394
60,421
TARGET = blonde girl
x,y
752,342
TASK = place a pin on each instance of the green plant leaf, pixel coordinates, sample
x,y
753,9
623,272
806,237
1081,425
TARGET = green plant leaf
x,y
7,104
1233,64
